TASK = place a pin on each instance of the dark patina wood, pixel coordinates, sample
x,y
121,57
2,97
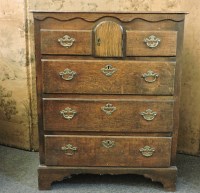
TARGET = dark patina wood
x,y
108,39
122,46
117,151
137,47
109,77
81,45
48,174
126,115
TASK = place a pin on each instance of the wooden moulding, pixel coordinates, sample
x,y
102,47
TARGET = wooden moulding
x,y
47,175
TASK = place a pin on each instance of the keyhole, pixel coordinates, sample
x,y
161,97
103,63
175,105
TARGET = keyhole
x,y
98,41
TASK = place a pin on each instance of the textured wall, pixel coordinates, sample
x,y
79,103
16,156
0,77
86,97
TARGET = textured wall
x,y
14,94
189,133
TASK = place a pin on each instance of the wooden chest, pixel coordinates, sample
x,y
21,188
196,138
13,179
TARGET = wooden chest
x,y
108,88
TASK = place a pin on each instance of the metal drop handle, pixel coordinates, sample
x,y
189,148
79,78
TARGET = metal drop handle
x,y
68,113
147,151
69,149
67,74
150,76
148,115
152,41
66,41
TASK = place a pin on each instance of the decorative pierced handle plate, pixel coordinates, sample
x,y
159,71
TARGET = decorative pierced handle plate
x,y
150,76
108,109
147,151
68,113
69,149
152,41
67,74
148,115
108,70
108,143
66,41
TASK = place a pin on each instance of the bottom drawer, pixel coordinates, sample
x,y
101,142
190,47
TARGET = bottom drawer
x,y
71,150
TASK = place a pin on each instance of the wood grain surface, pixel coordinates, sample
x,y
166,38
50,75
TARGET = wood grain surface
x,y
91,117
108,39
135,45
91,152
82,44
127,78
125,90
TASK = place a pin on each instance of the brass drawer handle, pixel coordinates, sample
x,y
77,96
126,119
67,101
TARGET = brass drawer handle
x,y
108,109
152,41
148,115
70,74
108,70
69,149
150,76
66,41
68,113
147,151
108,143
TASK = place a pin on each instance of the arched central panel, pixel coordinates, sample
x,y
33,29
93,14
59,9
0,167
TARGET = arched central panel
x,y
108,37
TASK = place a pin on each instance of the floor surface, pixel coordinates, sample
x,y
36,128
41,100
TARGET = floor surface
x,y
18,174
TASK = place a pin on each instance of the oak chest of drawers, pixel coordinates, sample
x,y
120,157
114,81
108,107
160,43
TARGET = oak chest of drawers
x,y
108,89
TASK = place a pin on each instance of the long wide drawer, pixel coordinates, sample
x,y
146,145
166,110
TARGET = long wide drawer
x,y
108,77
107,151
108,115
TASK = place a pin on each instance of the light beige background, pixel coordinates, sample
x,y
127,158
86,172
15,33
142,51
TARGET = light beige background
x,y
14,93
17,65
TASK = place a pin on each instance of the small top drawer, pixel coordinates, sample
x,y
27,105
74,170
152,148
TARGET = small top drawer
x,y
151,43
68,42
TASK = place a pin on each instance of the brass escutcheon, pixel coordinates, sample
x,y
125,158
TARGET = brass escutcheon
x,y
67,74
147,151
69,149
150,76
148,115
108,143
66,41
108,70
68,113
108,109
152,41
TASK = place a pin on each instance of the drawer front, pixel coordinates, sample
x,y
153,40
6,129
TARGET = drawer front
x,y
108,77
107,151
68,42
109,115
151,43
